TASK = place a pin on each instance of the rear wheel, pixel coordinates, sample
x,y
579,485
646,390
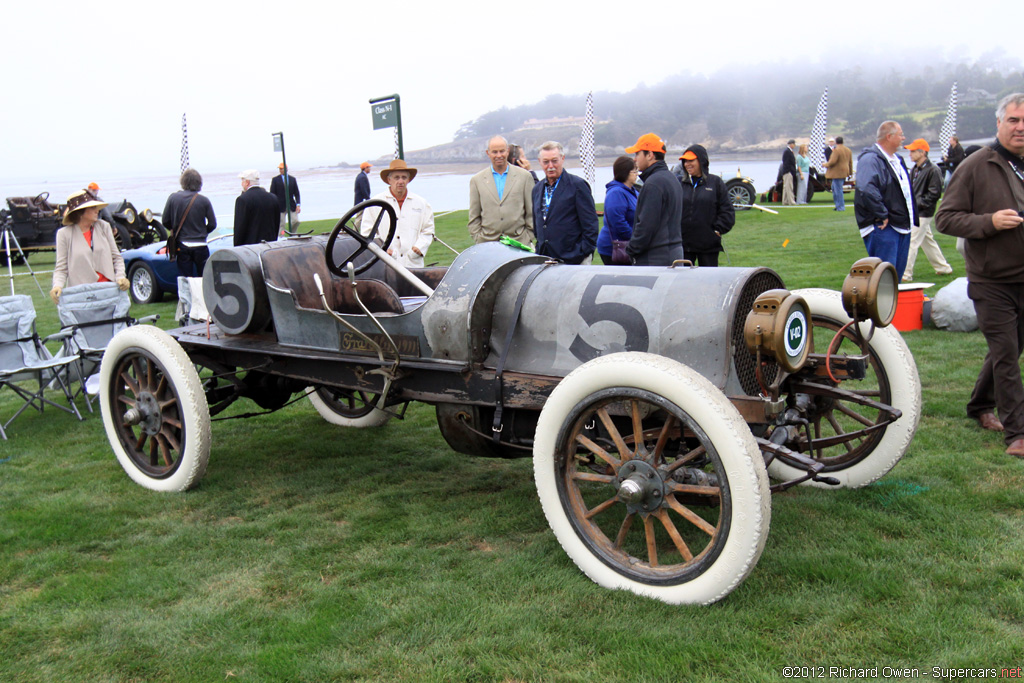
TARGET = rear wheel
x,y
651,480
741,193
347,408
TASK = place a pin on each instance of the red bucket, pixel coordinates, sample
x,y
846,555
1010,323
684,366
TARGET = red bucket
x,y
909,308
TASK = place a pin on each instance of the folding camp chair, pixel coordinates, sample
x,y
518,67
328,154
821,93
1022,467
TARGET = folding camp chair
x,y
90,316
191,308
24,358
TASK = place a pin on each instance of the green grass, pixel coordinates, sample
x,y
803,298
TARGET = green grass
x,y
310,553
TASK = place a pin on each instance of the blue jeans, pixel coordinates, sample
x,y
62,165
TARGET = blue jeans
x,y
837,194
890,246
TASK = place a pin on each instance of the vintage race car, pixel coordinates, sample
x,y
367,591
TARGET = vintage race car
x,y
655,402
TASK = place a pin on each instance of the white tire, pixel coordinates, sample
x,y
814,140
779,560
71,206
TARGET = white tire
x,y
578,489
891,379
347,408
154,410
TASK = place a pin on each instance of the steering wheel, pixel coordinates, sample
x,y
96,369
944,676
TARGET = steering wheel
x,y
41,198
364,241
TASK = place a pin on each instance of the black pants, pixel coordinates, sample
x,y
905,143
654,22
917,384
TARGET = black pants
x,y
1000,309
708,259
191,260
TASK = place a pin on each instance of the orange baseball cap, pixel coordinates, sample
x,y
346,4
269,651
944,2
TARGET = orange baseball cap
x,y
688,154
648,142
365,165
919,143
94,187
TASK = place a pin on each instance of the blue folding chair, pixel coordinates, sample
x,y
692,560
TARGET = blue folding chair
x,y
24,358
90,316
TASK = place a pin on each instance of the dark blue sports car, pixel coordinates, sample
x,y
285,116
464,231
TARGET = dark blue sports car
x,y
152,274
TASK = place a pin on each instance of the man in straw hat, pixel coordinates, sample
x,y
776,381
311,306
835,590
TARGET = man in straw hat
x,y
86,250
415,229
256,214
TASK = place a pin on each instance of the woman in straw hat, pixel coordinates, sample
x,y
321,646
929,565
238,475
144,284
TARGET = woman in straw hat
x,y
86,251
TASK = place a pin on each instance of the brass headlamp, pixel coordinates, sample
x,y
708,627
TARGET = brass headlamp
x,y
779,326
871,290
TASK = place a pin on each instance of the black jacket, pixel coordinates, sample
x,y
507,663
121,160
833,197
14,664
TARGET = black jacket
x,y
927,183
788,165
659,208
706,209
256,217
277,189
199,222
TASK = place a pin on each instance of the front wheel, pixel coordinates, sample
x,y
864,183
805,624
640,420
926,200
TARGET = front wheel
x,y
122,236
154,410
891,379
144,288
651,480
347,408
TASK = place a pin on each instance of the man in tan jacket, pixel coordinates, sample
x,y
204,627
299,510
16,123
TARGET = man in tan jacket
x,y
500,198
838,168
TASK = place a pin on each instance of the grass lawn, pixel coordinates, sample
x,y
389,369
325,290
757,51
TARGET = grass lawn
x,y
312,553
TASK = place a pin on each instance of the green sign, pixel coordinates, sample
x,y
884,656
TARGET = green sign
x,y
385,114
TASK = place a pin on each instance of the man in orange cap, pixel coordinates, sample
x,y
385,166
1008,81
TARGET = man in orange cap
x,y
927,185
362,183
657,225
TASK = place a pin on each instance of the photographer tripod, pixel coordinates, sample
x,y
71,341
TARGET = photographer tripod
x,y
9,237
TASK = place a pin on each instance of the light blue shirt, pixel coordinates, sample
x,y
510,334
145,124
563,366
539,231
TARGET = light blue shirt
x,y
499,180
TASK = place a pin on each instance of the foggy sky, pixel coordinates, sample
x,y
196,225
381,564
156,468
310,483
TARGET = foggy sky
x,y
98,89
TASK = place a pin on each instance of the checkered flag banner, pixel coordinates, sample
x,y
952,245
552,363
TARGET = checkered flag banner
x,y
948,129
587,142
184,144
817,147
396,142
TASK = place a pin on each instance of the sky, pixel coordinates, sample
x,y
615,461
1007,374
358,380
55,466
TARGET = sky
x,y
98,89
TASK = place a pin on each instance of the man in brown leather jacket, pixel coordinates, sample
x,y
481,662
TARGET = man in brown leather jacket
x,y
838,168
983,204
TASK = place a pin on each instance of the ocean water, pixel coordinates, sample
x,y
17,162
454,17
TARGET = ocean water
x,y
326,192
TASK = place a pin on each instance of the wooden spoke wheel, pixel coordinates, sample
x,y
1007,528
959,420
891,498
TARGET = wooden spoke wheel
x,y
154,410
651,480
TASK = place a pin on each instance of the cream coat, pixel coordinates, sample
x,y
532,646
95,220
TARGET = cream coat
x,y
78,263
512,215
415,227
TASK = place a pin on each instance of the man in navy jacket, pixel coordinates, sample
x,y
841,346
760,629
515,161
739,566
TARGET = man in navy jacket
x,y
564,216
884,200
278,189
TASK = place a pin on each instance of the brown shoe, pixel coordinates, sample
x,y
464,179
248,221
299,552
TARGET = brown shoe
x,y
990,422
1016,448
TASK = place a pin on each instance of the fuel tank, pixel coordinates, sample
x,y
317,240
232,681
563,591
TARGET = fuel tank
x,y
571,314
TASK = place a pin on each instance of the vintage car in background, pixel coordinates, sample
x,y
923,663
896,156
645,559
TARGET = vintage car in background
x,y
152,274
656,402
33,222
133,228
818,183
